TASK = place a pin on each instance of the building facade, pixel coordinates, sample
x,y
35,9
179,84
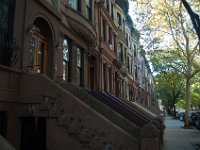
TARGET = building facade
x,y
47,44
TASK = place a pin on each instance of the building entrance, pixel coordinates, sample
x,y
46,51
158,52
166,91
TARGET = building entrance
x,y
39,54
33,135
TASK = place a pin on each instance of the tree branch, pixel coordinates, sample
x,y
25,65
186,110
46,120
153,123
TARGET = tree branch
x,y
194,17
173,36
183,29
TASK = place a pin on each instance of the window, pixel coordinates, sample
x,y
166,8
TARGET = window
x,y
110,37
136,72
6,30
129,64
75,4
6,14
127,39
66,59
120,52
119,21
135,50
123,26
112,13
79,67
107,5
89,9
104,30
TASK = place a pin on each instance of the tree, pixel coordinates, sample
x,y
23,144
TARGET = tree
x,y
171,23
169,86
169,83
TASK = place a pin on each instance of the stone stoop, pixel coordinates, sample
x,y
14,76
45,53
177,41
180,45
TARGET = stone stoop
x,y
103,109
151,135
73,123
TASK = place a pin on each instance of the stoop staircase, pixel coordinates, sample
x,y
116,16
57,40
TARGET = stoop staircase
x,y
78,119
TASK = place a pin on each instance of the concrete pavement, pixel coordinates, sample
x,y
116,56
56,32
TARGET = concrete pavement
x,y
178,138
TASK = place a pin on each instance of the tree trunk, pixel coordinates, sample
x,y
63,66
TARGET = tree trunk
x,y
174,111
187,107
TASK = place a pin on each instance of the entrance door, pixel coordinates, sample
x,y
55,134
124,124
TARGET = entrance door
x,y
33,134
92,73
39,54
116,84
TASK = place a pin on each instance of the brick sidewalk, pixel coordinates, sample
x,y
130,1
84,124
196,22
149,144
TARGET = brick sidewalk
x,y
178,138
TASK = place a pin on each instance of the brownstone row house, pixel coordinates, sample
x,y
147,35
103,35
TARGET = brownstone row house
x,y
62,65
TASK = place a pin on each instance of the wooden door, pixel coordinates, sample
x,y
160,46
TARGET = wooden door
x,y
40,54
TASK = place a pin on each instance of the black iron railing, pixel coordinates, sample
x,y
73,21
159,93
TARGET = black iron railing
x,y
9,47
9,50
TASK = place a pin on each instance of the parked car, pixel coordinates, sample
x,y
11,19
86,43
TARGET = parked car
x,y
181,114
197,122
194,116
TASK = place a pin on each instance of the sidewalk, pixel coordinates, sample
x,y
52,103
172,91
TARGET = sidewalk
x,y
178,138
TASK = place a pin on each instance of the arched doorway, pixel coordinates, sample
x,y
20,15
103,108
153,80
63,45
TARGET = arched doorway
x,y
41,51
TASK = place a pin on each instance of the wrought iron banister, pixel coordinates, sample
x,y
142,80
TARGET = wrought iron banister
x,y
9,49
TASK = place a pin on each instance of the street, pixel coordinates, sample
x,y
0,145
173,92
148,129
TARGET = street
x,y
178,138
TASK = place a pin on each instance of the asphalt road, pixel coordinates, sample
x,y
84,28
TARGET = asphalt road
x,y
178,138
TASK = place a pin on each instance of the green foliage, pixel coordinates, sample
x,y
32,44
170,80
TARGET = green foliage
x,y
195,92
170,86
